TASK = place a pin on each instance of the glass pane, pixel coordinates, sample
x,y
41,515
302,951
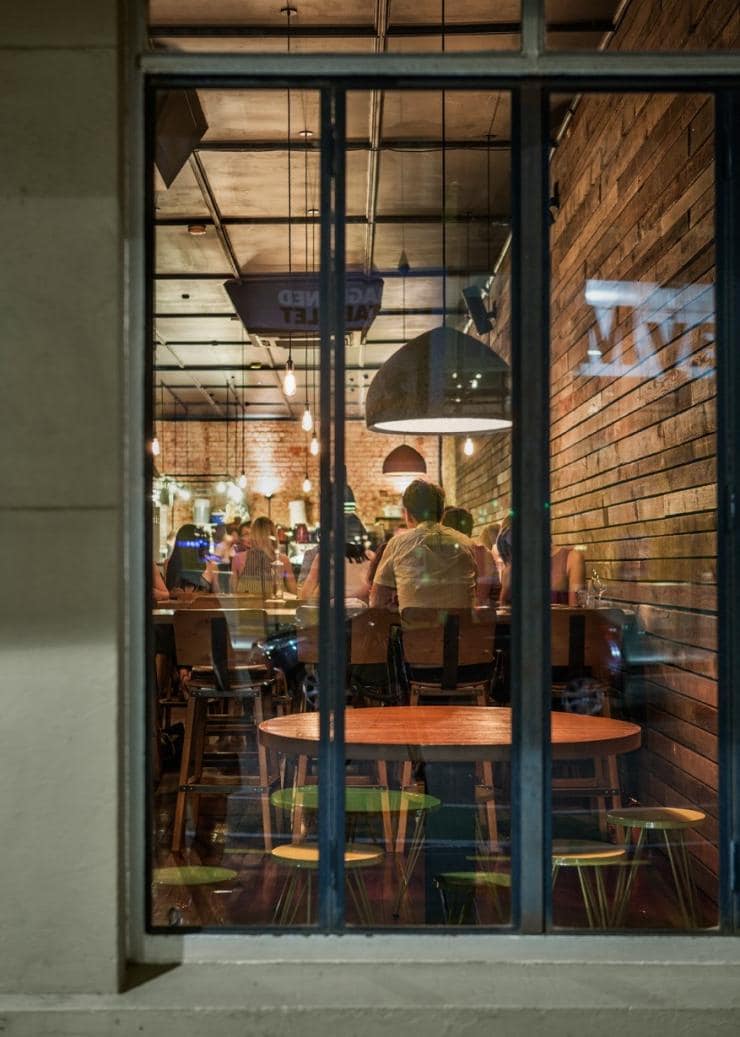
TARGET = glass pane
x,y
315,26
642,25
426,364
235,506
633,506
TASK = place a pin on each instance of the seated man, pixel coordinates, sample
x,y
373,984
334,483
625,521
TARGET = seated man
x,y
429,565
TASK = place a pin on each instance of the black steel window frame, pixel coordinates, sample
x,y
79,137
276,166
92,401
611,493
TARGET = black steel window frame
x,y
531,891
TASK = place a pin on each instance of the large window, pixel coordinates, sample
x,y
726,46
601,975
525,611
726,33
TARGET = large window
x,y
435,554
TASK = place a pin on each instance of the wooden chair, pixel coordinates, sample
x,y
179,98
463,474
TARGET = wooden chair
x,y
226,666
450,654
582,642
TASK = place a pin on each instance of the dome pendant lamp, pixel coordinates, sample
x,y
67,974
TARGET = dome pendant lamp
x,y
443,382
404,460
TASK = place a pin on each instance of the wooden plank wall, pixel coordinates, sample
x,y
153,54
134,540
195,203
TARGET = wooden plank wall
x,y
633,429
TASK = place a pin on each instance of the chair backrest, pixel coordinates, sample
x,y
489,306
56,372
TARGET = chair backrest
x,y
219,638
370,631
447,639
582,641
307,633
192,638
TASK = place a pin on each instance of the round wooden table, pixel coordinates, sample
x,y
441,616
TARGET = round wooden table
x,y
447,733
450,741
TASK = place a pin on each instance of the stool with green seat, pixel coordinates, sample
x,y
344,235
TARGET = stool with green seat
x,y
585,856
367,801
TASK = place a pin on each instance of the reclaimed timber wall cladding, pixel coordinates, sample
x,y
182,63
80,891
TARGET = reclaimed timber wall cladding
x,y
633,475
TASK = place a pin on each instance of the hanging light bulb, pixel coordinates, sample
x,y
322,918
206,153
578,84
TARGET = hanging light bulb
x,y
183,493
221,487
289,382
468,447
307,422
243,480
156,447
306,484
314,447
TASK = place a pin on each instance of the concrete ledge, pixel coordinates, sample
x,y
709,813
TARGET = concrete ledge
x,y
384,999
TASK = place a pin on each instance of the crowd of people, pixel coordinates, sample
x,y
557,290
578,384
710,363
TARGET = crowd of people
x,y
431,560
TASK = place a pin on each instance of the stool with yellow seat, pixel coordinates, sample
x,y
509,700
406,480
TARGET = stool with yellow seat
x,y
303,860
667,821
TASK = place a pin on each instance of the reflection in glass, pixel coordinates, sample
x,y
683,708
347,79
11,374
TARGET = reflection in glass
x,y
633,491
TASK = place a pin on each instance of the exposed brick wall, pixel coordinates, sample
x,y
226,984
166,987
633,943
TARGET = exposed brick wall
x,y
633,451
275,452
483,481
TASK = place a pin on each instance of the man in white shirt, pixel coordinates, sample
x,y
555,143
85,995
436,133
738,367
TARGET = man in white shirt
x,y
430,565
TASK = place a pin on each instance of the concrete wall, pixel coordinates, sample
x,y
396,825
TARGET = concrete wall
x,y
60,470
62,922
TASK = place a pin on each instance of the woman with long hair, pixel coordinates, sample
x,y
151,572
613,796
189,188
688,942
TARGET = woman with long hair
x,y
253,571
189,568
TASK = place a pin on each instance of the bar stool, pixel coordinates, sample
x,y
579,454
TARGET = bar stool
x,y
589,858
303,860
189,875
204,642
461,887
665,820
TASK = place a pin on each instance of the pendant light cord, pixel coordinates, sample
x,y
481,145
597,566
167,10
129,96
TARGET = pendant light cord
x,y
444,187
305,244
289,11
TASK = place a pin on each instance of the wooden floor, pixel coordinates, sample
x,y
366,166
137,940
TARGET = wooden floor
x,y
229,836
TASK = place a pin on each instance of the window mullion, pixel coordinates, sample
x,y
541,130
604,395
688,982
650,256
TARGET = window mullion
x,y
727,209
332,648
530,632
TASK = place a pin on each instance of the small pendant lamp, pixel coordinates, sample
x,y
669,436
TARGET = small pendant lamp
x,y
404,460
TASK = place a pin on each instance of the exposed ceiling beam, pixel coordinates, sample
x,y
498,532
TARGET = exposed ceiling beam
x,y
421,271
394,144
210,203
497,220
189,371
418,311
366,32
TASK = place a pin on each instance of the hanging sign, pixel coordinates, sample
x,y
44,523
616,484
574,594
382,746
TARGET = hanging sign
x,y
279,303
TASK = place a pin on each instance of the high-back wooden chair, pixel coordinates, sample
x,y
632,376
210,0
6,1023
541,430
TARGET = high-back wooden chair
x,y
450,652
218,648
583,646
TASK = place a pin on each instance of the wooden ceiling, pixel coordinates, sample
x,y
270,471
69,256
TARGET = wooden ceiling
x,y
237,183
